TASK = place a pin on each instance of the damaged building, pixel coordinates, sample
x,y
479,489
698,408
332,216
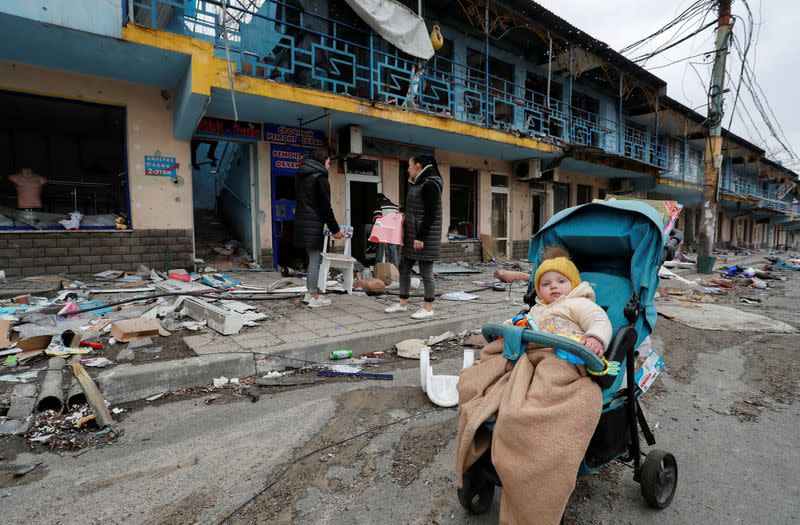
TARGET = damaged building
x,y
154,131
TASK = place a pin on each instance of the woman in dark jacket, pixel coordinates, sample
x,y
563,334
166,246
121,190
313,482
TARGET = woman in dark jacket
x,y
422,232
312,212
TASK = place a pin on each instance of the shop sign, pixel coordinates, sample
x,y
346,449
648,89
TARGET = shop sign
x,y
284,160
307,138
159,166
220,128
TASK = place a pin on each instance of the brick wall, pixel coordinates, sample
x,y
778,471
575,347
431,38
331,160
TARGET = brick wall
x,y
83,252
519,249
467,251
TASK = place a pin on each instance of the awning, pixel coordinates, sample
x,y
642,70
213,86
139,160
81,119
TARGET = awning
x,y
396,23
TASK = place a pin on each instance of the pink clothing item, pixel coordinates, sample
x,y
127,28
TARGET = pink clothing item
x,y
388,229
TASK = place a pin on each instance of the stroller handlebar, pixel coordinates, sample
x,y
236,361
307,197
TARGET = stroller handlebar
x,y
557,342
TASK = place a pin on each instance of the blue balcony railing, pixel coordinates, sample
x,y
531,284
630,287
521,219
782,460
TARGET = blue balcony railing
x,y
749,187
686,170
277,41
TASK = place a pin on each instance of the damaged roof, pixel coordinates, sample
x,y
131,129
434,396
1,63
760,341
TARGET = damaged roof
x,y
568,32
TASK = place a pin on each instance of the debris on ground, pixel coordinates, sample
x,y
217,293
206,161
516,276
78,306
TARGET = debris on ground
x,y
71,431
410,348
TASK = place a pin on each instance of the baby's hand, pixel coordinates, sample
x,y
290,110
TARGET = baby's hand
x,y
593,344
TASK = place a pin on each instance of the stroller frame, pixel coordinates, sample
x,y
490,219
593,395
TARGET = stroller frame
x,y
617,433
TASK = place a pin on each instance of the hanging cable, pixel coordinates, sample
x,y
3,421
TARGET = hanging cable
x,y
228,57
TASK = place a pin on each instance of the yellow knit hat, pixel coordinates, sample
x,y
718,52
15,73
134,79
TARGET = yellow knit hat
x,y
556,259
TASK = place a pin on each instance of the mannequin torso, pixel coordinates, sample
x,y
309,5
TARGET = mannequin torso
x,y
29,188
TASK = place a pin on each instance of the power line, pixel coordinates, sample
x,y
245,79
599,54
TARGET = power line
x,y
684,39
694,9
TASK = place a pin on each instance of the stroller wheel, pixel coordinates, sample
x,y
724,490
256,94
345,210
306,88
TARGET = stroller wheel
x,y
476,494
659,478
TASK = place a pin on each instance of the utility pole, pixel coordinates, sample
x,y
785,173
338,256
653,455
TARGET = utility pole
x,y
714,143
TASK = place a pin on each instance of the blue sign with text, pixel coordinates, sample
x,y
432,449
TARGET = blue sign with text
x,y
158,166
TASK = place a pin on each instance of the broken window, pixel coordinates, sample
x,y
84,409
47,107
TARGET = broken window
x,y
501,87
463,202
61,159
438,82
585,120
542,116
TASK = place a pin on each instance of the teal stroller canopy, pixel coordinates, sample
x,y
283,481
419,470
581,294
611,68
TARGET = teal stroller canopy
x,y
623,238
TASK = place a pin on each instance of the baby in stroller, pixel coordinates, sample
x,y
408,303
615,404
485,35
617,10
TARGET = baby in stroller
x,y
547,408
565,305
530,421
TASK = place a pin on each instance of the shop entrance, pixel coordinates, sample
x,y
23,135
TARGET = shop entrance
x,y
63,164
363,186
225,196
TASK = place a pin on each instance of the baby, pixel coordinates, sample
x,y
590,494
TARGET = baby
x,y
565,304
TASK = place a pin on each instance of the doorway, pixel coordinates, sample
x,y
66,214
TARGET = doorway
x,y
225,202
363,186
463,203
500,215
537,205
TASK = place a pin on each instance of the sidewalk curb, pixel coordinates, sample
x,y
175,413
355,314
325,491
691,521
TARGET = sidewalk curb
x,y
383,339
128,382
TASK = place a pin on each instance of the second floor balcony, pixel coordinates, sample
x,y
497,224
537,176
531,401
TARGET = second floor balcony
x,y
280,41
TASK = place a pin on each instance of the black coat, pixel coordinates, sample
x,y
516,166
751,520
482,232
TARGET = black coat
x,y
428,182
313,209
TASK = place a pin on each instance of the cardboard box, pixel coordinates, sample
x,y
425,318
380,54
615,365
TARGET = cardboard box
x,y
132,329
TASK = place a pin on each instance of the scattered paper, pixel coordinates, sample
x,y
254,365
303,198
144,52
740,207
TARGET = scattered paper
x,y
96,362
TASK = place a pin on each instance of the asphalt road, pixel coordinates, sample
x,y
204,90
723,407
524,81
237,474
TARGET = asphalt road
x,y
379,452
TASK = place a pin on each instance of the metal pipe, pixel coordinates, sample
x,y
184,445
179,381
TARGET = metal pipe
x,y
228,58
486,58
549,66
51,396
75,395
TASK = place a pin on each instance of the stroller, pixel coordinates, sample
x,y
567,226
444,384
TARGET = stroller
x,y
619,246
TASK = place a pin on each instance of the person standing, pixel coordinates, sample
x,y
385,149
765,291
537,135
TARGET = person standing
x,y
422,232
312,212
384,207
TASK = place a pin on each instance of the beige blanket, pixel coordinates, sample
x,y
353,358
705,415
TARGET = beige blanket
x,y
547,411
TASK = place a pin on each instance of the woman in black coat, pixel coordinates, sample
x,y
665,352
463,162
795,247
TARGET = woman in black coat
x,y
312,212
422,232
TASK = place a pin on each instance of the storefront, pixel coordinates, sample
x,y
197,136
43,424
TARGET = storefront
x,y
93,154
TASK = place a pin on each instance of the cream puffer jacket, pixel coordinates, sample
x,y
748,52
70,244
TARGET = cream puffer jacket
x,y
575,314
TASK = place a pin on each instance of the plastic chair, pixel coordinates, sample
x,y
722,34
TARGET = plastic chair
x,y
441,389
341,261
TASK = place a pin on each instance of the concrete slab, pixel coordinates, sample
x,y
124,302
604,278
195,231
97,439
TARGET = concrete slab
x,y
13,288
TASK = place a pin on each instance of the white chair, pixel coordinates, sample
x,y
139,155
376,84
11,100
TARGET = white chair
x,y
441,389
341,261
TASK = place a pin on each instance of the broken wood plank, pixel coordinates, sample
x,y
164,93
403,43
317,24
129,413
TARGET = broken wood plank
x,y
93,395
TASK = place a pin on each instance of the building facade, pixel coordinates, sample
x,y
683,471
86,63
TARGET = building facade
x,y
174,125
